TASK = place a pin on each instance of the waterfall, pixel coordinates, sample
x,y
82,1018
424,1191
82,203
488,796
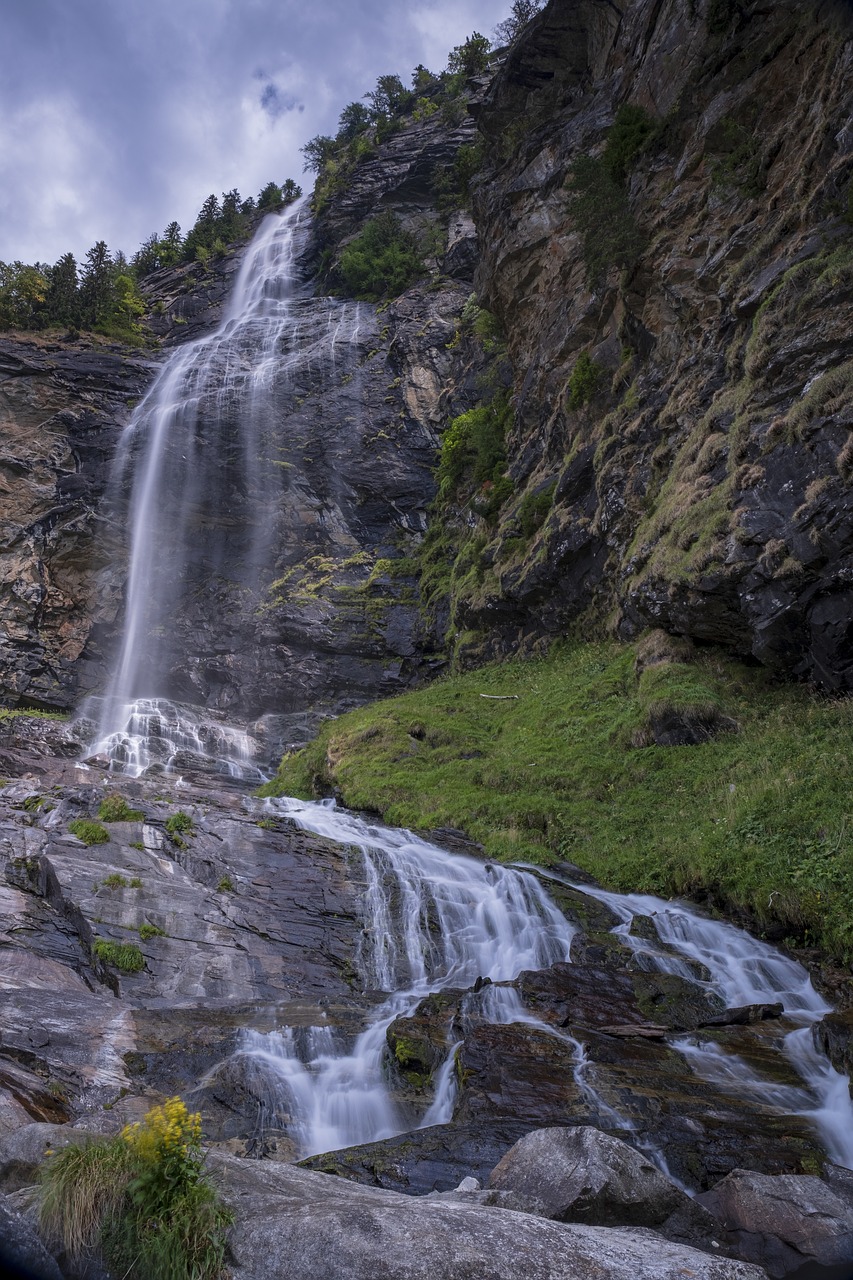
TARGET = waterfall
x,y
197,480
742,970
431,920
434,919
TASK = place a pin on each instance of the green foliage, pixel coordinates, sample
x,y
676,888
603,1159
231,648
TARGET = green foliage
x,y
147,931
584,381
381,261
738,162
533,509
115,881
225,885
125,956
452,183
628,135
474,446
143,1196
758,819
114,808
89,832
472,57
179,821
599,208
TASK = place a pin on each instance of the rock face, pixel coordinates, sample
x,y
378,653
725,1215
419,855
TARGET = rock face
x,y
700,476
62,407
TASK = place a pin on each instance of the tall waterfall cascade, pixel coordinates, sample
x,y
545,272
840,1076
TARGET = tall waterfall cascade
x,y
196,481
434,919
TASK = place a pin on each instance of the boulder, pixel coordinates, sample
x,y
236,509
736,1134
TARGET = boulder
x,y
583,1175
784,1222
300,1225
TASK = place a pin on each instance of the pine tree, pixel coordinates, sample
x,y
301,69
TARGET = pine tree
x,y
62,303
96,286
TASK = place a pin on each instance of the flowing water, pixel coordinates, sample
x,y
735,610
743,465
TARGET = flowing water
x,y
742,970
431,920
434,919
197,483
197,477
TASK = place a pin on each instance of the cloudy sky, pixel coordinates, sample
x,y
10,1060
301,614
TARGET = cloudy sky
x,y
117,116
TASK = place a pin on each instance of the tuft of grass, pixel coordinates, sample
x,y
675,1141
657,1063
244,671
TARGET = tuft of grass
x,y
142,1197
178,822
125,956
88,831
757,821
115,881
147,931
114,808
225,885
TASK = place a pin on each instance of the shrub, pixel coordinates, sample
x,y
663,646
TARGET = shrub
x,y
584,381
179,821
115,881
89,832
114,808
125,956
147,931
600,211
225,885
380,262
631,130
143,1196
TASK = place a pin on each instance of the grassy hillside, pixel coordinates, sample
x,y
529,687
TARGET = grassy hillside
x,y
549,759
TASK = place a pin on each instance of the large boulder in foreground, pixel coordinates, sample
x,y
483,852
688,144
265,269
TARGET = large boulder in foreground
x,y
295,1224
784,1222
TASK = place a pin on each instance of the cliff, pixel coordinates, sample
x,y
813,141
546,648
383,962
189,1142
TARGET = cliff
x,y
666,208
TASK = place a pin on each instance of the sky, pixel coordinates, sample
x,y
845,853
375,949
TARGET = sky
x,y
118,116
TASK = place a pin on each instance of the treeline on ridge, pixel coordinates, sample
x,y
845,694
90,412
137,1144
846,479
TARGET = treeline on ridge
x,y
102,295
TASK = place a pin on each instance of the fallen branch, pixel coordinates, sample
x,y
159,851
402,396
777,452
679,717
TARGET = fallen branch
x,y
501,697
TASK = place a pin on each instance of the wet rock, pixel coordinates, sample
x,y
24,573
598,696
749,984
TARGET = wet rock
x,y
784,1222
833,1035
22,1254
293,1222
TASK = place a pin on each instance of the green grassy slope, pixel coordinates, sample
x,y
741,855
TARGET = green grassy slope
x,y
552,766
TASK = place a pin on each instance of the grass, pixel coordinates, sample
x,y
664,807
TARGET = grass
x,y
125,956
142,1197
114,808
756,820
178,822
88,831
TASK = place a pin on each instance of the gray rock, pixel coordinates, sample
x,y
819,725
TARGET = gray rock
x,y
23,1152
583,1175
22,1254
305,1226
784,1222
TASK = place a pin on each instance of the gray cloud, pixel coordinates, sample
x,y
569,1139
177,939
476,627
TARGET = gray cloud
x,y
117,118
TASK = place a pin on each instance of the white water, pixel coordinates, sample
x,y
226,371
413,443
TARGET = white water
x,y
196,480
431,920
743,970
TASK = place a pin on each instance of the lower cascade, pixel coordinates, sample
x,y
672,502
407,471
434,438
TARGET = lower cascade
x,y
433,920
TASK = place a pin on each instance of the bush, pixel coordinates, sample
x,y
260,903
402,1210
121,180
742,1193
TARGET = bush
x,y
380,262
89,832
147,931
584,381
114,808
125,956
600,211
143,1196
115,881
179,821
628,135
